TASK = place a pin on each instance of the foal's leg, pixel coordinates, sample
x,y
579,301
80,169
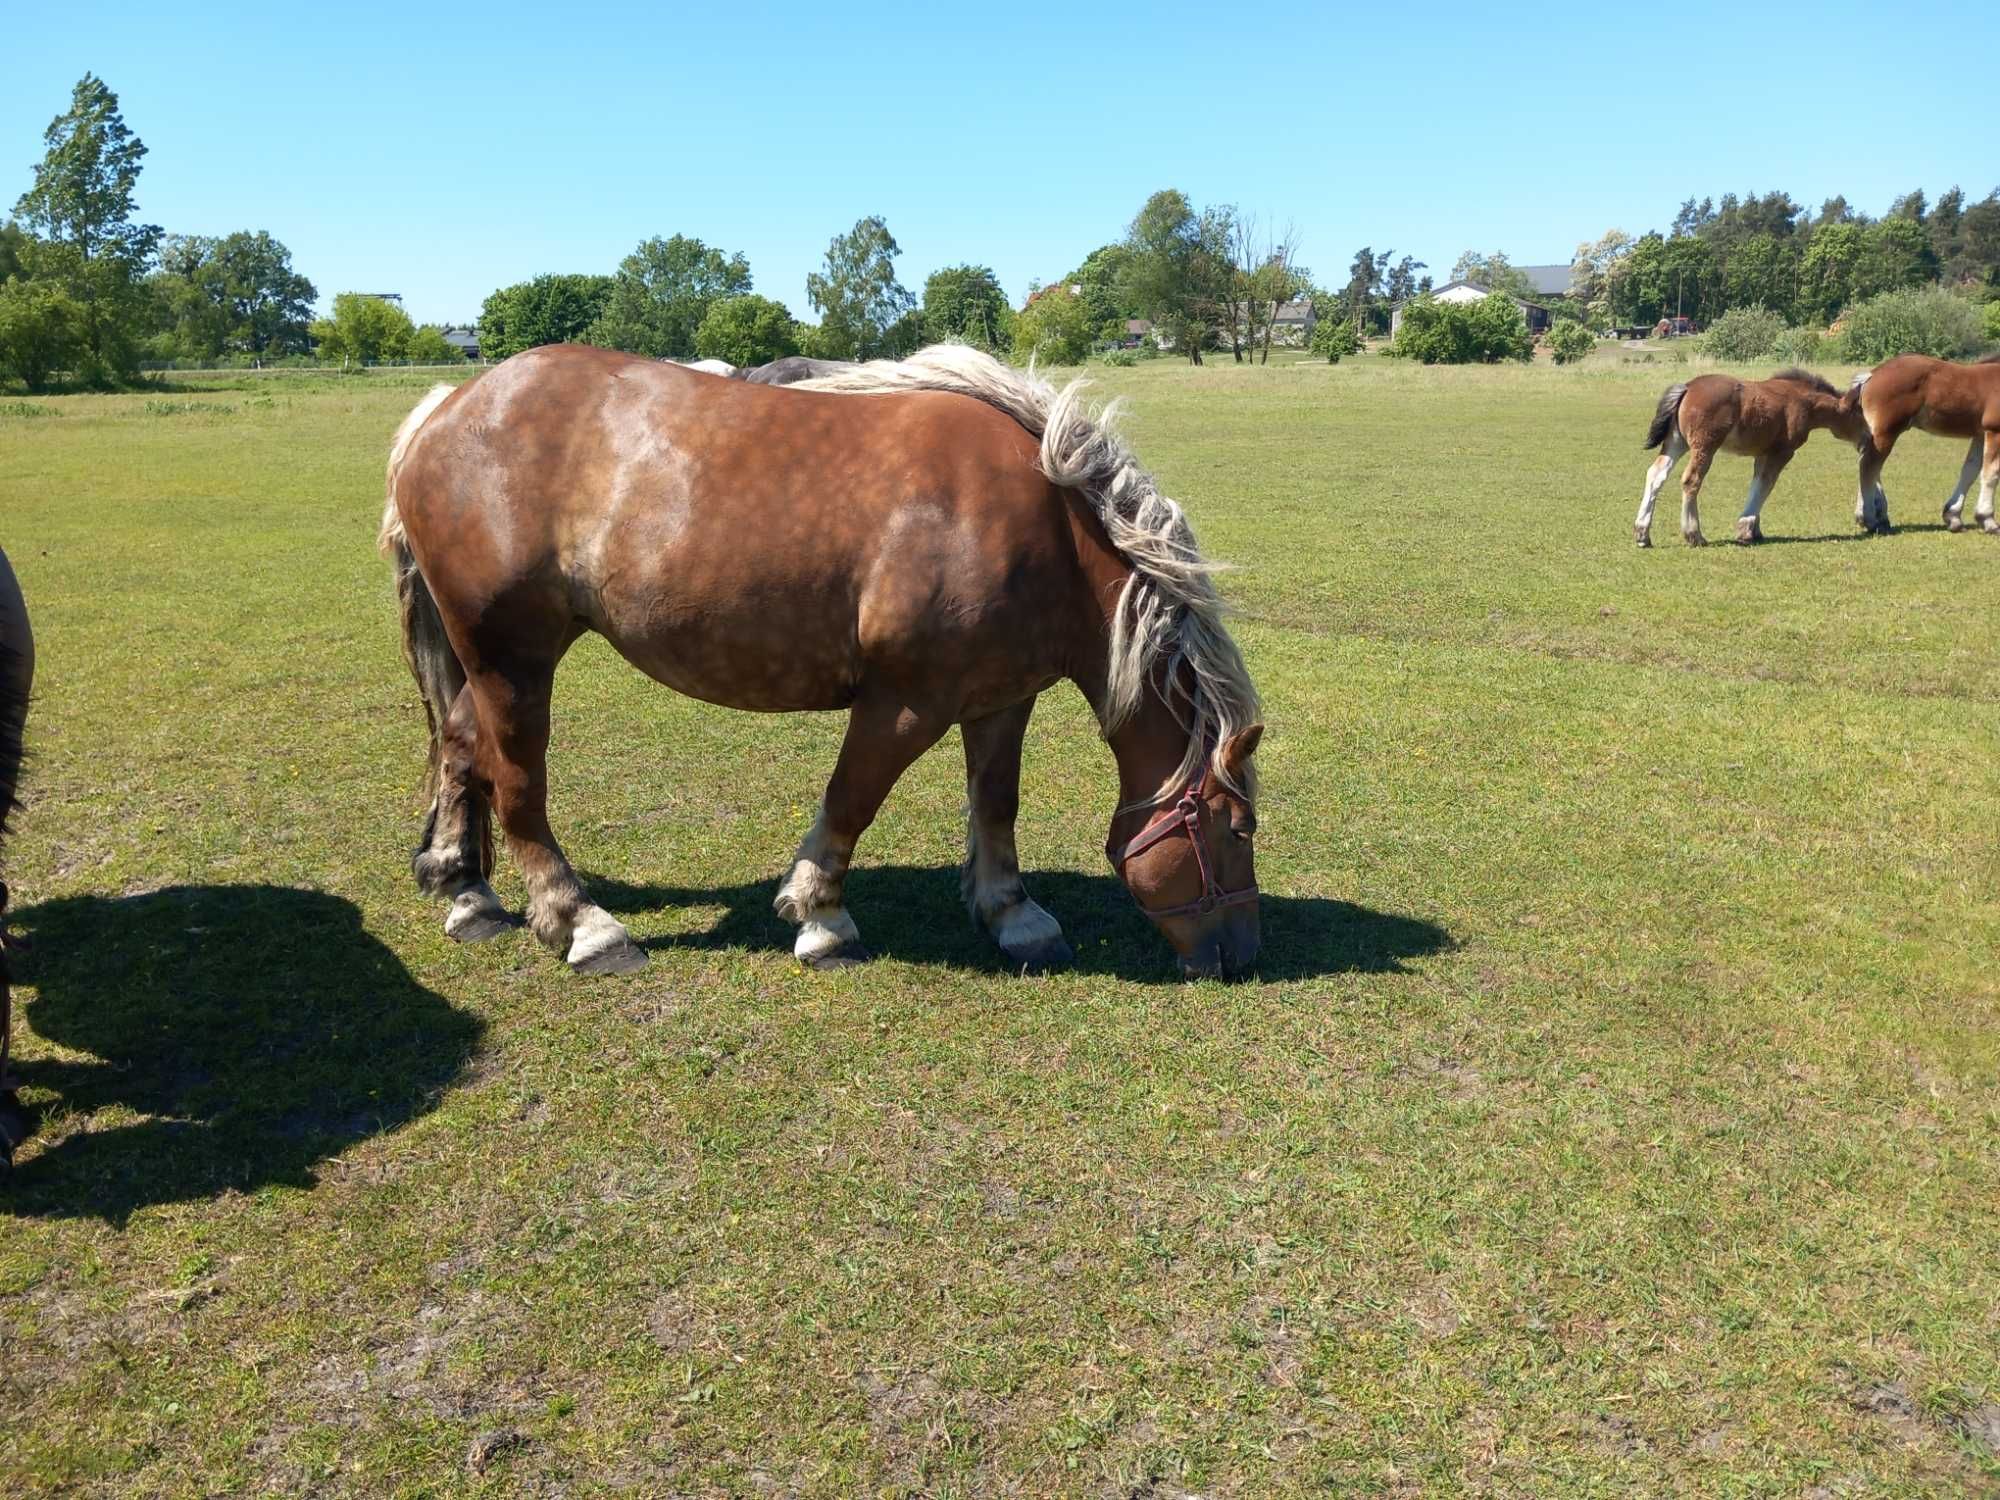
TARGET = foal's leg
x,y
1697,471
883,740
457,853
1763,479
1656,478
514,710
991,877
1954,508
1989,480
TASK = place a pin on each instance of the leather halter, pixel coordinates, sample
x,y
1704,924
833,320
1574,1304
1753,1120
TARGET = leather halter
x,y
1183,816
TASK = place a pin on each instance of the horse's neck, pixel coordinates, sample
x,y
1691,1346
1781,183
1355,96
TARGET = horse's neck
x,y
1149,746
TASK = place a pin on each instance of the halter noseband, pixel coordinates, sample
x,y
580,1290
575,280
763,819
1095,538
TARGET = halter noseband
x,y
1184,816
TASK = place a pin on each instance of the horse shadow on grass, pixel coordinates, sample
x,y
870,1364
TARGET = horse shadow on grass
x,y
1857,535
913,913
254,1031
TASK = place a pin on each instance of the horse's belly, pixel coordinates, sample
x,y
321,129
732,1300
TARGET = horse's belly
x,y
769,661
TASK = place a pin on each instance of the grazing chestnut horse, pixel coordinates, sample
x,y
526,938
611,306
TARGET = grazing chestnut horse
x,y
17,675
933,543
1935,395
1768,420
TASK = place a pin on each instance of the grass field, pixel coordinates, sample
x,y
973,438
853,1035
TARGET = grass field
x,y
1615,1111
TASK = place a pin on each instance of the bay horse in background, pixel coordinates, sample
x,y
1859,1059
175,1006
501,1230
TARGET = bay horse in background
x,y
17,676
1768,420
923,544
1933,395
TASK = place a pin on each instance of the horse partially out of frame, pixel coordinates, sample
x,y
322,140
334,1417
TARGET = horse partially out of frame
x,y
17,675
923,544
1932,395
1767,420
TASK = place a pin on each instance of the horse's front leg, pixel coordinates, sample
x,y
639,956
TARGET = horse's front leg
x,y
883,740
1763,479
991,878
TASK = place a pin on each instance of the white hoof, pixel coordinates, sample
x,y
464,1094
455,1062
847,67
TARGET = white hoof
x,y
829,940
600,945
1031,938
476,915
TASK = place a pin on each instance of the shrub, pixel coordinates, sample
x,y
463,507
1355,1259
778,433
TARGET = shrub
x,y
1120,357
41,331
1743,334
1800,346
1918,320
1053,329
1334,337
1463,333
1570,342
1989,318
747,330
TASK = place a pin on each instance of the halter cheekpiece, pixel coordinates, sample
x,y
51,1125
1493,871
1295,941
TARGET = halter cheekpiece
x,y
1183,816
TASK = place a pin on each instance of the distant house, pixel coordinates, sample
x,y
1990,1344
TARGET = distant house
x,y
1468,291
1547,281
1292,323
1136,330
464,340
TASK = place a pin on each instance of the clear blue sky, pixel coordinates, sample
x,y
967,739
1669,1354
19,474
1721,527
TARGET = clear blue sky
x,y
441,150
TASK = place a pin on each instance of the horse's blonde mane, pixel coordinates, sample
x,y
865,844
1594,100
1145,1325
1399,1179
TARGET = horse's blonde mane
x,y
1169,615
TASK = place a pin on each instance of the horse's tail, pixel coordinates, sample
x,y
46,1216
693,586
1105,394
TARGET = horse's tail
x,y
17,666
1666,415
425,646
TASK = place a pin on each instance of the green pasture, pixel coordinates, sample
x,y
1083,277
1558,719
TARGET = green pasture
x,y
1615,1112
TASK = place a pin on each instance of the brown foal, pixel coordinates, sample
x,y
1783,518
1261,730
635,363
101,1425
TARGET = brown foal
x,y
1768,420
932,543
1933,395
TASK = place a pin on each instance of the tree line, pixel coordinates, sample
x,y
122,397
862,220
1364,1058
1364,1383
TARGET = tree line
x,y
1767,250
87,288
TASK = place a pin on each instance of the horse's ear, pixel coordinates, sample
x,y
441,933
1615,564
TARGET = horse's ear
x,y
1237,750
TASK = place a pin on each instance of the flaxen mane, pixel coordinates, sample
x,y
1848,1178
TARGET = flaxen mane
x,y
1806,377
1169,615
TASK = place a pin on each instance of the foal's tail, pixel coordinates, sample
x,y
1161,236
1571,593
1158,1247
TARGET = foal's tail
x,y
425,646
1666,415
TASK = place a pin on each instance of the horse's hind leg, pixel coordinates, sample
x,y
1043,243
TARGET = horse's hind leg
x,y
1763,479
1697,471
456,856
1954,508
991,878
513,754
1871,503
1656,477
883,740
1989,480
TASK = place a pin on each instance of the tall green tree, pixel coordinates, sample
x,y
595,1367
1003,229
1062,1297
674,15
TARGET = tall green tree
x,y
234,294
747,330
550,309
857,295
965,302
82,207
1495,273
39,330
661,293
1178,269
363,330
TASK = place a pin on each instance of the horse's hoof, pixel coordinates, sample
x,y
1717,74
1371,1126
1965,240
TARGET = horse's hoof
x,y
1051,957
599,944
619,958
16,1125
1747,534
1641,539
1953,521
848,955
475,916
1990,526
1694,539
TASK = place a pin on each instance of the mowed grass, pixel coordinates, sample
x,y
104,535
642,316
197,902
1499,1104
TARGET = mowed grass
x,y
1614,1113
